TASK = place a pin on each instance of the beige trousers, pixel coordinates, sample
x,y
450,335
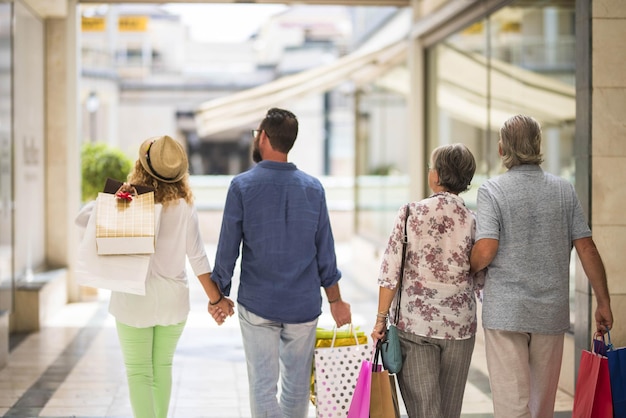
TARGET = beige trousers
x,y
524,372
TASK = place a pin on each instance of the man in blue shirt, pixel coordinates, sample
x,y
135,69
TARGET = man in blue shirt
x,y
278,215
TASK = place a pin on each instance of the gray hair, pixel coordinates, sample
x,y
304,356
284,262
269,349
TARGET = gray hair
x,y
455,166
520,140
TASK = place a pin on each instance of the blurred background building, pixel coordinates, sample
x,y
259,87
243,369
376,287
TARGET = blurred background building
x,y
142,74
376,86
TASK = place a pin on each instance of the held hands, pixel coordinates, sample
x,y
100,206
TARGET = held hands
x,y
220,311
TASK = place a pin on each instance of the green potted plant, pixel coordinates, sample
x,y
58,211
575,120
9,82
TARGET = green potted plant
x,y
100,161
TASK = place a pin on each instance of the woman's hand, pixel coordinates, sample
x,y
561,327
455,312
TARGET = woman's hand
x,y
380,328
220,311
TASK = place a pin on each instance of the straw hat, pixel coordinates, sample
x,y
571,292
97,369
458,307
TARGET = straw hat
x,y
164,159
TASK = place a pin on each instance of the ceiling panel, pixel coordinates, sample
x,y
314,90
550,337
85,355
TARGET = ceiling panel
x,y
48,8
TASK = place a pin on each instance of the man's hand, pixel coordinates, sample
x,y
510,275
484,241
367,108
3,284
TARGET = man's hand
x,y
340,311
604,318
222,310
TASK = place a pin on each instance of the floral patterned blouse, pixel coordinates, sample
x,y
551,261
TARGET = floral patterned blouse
x,y
438,298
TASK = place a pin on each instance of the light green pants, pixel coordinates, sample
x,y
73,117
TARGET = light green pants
x,y
148,354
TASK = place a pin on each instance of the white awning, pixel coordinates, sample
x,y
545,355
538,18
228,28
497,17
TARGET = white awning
x,y
247,106
385,50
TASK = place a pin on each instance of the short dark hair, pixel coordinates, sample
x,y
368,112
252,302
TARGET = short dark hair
x,y
281,127
520,140
455,166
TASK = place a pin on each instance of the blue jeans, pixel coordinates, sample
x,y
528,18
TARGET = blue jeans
x,y
276,349
148,355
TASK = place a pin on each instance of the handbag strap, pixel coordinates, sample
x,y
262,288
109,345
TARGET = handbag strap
x,y
405,240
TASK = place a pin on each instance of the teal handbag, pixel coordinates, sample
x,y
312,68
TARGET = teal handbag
x,y
390,351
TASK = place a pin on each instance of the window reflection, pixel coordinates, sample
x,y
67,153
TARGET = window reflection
x,y
518,60
381,162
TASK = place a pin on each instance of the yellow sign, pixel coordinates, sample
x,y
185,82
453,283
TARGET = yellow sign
x,y
132,23
93,24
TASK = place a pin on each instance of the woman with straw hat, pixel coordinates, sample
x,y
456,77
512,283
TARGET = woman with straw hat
x,y
149,326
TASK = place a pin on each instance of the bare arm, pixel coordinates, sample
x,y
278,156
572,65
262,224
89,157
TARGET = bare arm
x,y
483,253
594,269
385,297
339,309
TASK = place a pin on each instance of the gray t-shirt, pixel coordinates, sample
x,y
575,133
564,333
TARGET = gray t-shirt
x,y
535,216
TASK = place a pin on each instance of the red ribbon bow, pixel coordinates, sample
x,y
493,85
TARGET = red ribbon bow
x,y
124,196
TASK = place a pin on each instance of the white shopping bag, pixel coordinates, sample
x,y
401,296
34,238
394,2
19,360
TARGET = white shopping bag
x,y
336,373
126,226
122,273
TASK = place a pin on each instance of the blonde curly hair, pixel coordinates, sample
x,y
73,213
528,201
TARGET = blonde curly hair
x,y
164,193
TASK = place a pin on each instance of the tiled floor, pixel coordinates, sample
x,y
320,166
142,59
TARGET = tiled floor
x,y
73,367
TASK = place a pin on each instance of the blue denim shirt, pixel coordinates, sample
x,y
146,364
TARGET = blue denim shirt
x,y
279,213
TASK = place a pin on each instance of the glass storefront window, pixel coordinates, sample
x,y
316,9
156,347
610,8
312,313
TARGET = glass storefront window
x,y
6,163
519,59
381,163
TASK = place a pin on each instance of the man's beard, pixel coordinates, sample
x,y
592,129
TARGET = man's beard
x,y
256,154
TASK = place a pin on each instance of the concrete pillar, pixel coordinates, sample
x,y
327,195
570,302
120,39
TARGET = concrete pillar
x,y
63,177
608,151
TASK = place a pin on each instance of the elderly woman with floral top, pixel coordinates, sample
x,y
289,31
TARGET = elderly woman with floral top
x,y
437,318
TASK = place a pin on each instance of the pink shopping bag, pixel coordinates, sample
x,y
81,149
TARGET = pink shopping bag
x,y
360,404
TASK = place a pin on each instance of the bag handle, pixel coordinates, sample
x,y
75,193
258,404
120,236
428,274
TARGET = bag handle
x,y
609,346
405,240
377,355
599,345
127,187
351,328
